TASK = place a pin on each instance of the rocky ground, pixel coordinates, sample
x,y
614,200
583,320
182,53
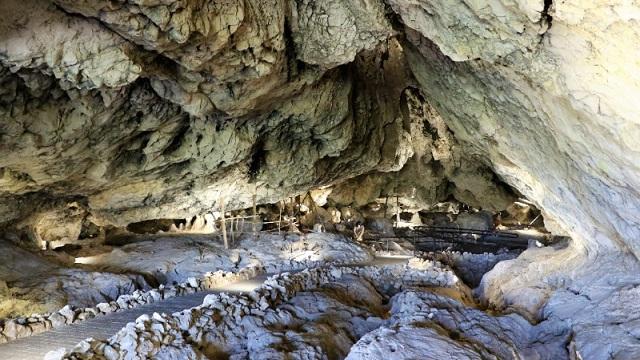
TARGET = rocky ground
x,y
333,313
31,283
311,314
422,309
426,325
595,298
470,267
419,310
171,258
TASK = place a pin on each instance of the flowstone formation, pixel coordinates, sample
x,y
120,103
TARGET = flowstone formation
x,y
117,112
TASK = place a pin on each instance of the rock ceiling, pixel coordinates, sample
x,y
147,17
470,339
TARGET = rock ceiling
x,y
140,109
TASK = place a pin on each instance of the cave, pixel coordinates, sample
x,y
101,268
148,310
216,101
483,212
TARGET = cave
x,y
309,179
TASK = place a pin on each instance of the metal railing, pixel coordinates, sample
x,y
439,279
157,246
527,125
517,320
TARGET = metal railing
x,y
437,237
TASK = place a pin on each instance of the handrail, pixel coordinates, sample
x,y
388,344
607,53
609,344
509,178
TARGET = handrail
x,y
455,230
452,236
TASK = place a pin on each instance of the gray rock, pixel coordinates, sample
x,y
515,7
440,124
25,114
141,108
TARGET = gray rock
x,y
482,220
13,330
37,327
57,320
193,282
110,353
68,313
55,354
104,308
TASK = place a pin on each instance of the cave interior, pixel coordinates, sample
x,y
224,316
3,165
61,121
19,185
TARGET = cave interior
x,y
307,179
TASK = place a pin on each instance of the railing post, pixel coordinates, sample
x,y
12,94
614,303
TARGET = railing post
x,y
255,210
386,205
280,216
233,237
224,226
397,211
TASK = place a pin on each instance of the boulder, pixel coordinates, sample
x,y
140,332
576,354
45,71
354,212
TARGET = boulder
x,y
351,216
68,313
57,320
380,226
481,220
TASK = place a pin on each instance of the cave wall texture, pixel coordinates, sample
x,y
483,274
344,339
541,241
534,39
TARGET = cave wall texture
x,y
548,94
130,110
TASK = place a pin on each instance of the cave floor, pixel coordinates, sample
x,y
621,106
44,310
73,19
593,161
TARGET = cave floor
x,y
37,346
31,283
103,327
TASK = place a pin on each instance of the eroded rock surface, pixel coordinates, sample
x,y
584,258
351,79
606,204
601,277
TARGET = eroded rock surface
x,y
534,104
175,258
313,314
433,326
139,111
32,284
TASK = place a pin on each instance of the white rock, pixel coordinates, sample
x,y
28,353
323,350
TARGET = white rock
x,y
55,354
104,308
68,313
192,282
110,353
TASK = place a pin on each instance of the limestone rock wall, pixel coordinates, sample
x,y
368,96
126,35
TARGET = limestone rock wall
x,y
546,91
437,166
157,109
139,111
143,110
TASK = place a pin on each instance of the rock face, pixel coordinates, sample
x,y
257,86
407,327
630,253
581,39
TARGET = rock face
x,y
136,111
436,166
528,86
